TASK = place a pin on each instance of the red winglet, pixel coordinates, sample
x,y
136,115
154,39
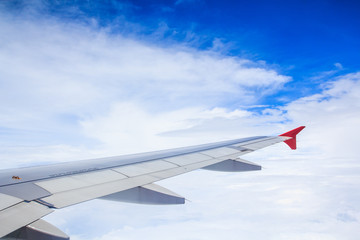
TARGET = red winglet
x,y
292,142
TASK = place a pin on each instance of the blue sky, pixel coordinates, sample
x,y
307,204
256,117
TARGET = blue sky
x,y
81,79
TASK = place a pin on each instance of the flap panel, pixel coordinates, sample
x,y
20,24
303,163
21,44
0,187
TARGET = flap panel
x,y
144,168
220,152
26,191
8,201
188,159
20,215
80,180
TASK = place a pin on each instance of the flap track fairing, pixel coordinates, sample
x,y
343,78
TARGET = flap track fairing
x,y
147,194
231,165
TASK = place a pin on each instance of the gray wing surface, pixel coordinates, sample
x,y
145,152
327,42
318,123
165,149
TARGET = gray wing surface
x,y
28,194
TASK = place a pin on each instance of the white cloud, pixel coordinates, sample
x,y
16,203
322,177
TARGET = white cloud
x,y
128,127
50,69
332,117
338,66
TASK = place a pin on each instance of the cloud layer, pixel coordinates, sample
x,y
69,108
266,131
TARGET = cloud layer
x,y
70,91
59,71
310,193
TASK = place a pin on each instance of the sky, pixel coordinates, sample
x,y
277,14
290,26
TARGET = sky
x,y
87,79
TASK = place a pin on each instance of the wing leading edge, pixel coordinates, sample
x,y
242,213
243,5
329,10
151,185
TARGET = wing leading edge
x,y
28,194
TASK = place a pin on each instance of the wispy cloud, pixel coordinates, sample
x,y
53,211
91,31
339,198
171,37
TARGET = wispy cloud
x,y
337,68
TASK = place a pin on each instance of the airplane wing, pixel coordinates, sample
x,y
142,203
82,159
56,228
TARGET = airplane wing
x,y
28,194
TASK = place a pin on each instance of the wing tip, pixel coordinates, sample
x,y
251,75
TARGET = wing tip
x,y
292,133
